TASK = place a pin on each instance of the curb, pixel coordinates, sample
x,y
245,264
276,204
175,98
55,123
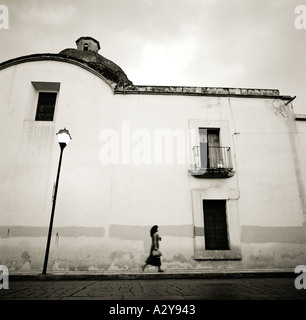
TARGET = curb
x,y
151,276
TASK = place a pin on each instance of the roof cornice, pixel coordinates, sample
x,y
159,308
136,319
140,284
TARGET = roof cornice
x,y
153,90
202,91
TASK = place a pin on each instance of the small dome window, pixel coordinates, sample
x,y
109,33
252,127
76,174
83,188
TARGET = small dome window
x,y
85,47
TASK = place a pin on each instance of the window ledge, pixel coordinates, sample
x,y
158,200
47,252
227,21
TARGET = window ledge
x,y
233,254
212,173
300,117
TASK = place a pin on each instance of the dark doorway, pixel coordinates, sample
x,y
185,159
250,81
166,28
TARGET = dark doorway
x,y
215,225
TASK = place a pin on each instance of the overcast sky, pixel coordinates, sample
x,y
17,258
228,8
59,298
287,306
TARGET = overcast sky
x,y
220,43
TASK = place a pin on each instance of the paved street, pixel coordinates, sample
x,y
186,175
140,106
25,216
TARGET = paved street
x,y
155,289
150,296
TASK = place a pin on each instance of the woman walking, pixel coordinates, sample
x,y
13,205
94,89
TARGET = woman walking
x,y
154,257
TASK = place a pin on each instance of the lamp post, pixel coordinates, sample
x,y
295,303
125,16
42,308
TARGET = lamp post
x,y
63,137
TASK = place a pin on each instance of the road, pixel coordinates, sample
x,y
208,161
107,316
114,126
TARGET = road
x,y
155,289
152,298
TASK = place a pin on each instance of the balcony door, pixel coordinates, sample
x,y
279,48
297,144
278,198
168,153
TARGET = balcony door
x,y
209,147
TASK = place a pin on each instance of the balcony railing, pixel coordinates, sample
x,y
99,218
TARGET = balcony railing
x,y
212,162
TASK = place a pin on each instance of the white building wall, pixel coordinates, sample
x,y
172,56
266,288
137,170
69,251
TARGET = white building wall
x,y
267,167
124,199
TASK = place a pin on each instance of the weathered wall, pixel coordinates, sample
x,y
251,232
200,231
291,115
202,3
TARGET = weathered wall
x,y
118,202
100,249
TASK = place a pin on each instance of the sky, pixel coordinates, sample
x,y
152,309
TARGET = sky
x,y
208,43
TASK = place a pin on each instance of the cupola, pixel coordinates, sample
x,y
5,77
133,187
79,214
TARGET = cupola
x,y
88,44
87,52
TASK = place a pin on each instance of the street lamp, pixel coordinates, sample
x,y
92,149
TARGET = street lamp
x,y
63,137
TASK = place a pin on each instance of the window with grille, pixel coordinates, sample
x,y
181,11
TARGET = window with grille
x,y
45,106
215,225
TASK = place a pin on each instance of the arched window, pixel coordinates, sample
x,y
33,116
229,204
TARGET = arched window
x,y
85,48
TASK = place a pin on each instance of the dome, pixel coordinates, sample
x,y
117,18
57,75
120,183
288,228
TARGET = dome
x,y
87,51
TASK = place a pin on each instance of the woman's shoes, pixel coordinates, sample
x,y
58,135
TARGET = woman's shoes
x,y
143,268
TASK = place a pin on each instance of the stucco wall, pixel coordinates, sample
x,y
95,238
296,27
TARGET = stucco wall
x,y
139,189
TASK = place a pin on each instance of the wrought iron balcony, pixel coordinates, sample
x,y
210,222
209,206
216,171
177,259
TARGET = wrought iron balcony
x,y
212,162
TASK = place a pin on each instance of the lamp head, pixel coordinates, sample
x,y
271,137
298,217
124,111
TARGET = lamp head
x,y
63,137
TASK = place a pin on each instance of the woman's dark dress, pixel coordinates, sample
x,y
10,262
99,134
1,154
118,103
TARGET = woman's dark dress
x,y
153,260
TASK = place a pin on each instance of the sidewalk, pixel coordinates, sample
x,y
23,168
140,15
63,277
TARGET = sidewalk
x,y
183,285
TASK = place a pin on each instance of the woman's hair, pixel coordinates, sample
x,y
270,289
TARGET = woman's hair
x,y
153,230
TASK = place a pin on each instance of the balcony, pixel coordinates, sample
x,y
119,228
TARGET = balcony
x,y
212,162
